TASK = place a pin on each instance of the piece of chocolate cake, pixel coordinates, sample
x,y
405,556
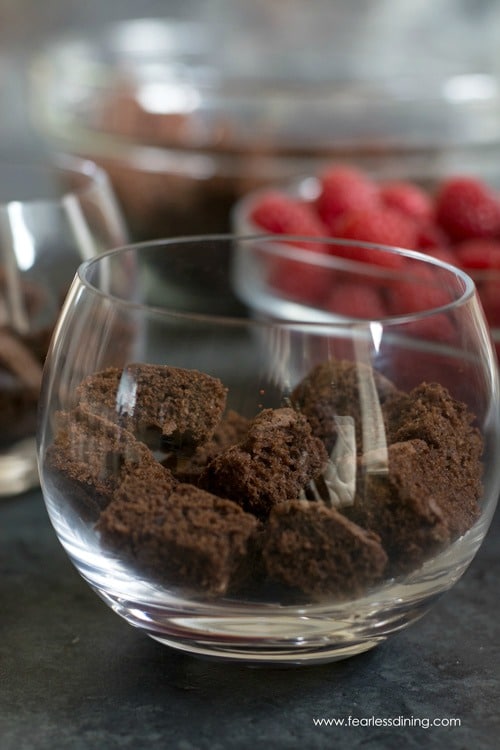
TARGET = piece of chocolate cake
x,y
429,413
91,456
231,430
333,389
168,408
21,363
319,551
409,505
276,460
182,537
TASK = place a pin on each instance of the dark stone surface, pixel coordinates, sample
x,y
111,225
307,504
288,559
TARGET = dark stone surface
x,y
74,675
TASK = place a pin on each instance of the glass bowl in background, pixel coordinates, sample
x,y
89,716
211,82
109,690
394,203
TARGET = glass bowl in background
x,y
188,114
53,215
430,236
291,484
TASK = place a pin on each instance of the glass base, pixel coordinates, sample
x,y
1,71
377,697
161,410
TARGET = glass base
x,y
18,468
289,639
300,654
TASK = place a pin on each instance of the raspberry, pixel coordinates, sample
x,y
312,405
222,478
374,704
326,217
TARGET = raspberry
x,y
439,328
408,198
490,299
280,214
301,282
383,226
478,254
466,207
423,292
444,254
344,189
356,301
430,235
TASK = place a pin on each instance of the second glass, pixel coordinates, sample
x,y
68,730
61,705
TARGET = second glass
x,y
53,215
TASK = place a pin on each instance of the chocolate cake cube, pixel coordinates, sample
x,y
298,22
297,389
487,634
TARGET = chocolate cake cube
x,y
90,457
184,537
21,363
431,414
333,389
415,507
316,549
168,408
230,431
275,461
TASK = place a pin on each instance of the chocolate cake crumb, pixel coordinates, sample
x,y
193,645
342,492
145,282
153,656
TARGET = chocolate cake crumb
x,y
321,552
331,389
184,537
276,460
91,456
168,408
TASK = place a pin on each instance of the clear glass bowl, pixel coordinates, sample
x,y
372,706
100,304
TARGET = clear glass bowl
x,y
307,189
285,485
187,115
54,213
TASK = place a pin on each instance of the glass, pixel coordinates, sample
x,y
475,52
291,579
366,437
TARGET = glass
x,y
52,217
247,472
307,189
187,114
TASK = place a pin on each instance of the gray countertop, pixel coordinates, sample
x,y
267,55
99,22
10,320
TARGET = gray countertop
x,y
74,675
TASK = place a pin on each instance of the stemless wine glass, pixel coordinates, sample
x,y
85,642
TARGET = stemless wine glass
x,y
53,215
288,473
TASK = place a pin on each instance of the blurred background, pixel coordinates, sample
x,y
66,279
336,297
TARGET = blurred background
x,y
27,25
381,36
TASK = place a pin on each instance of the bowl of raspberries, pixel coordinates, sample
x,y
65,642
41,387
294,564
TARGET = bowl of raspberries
x,y
455,219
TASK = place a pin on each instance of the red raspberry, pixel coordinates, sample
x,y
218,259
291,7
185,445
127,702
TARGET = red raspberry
x,y
382,226
444,254
300,282
280,214
466,207
478,254
430,235
423,292
408,198
356,301
490,299
344,189
437,327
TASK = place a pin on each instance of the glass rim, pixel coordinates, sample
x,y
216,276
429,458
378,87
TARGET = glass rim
x,y
62,163
295,253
